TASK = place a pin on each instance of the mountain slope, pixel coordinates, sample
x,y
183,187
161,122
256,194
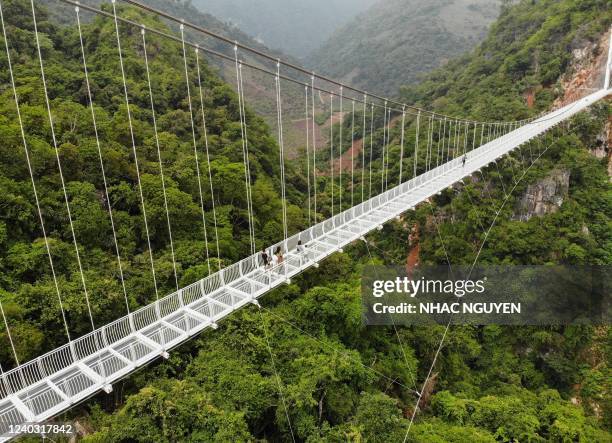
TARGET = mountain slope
x,y
396,41
294,26
64,14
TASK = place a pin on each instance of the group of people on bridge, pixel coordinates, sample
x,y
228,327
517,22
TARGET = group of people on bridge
x,y
271,260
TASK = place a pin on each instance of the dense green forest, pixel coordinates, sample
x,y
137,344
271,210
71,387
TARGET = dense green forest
x,y
27,287
304,364
396,42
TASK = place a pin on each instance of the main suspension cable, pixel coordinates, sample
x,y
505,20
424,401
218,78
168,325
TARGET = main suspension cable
x,y
266,56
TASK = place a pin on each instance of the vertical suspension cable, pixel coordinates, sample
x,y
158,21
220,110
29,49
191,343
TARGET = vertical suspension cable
x,y
465,140
340,150
102,169
307,152
353,154
207,152
371,144
331,148
10,336
248,162
401,162
440,140
457,144
59,164
363,146
31,172
388,149
245,151
159,157
482,128
416,143
382,169
447,143
279,108
131,127
429,142
195,147
314,149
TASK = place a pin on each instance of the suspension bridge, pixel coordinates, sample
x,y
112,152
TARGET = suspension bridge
x,y
37,390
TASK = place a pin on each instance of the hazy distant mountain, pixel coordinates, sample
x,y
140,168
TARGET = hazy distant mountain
x,y
395,41
295,26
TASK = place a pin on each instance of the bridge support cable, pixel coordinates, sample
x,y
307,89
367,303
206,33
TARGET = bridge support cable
x,y
340,149
440,140
314,149
455,147
416,144
31,173
331,150
245,150
159,156
307,124
465,140
133,140
248,158
363,147
371,146
101,160
352,151
59,164
429,141
195,147
388,149
207,152
401,160
451,141
281,145
382,150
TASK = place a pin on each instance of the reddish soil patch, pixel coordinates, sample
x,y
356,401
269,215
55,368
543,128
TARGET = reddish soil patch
x,y
412,261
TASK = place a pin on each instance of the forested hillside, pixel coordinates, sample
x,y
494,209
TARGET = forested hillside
x,y
27,289
395,42
297,27
304,365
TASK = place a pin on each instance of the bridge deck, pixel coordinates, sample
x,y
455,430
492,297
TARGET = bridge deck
x,y
54,382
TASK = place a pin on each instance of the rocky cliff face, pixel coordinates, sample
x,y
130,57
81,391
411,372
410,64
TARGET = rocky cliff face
x,y
544,196
586,72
